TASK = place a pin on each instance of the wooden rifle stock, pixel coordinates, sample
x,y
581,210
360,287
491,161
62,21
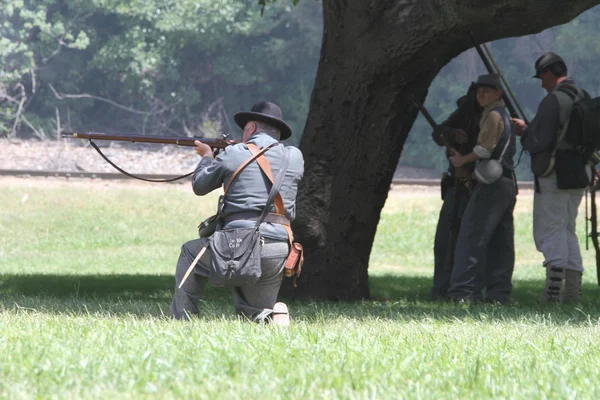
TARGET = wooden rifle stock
x,y
179,141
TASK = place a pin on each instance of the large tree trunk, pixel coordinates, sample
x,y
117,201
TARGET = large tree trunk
x,y
375,56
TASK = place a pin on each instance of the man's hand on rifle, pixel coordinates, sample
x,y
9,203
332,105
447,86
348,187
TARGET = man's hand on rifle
x,y
203,149
519,125
455,158
459,160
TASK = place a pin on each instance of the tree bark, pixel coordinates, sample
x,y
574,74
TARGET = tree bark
x,y
376,55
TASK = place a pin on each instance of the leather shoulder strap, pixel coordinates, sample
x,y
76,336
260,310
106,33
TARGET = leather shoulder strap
x,y
245,164
266,167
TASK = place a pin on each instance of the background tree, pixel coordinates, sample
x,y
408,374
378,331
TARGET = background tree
x,y
154,67
32,35
374,56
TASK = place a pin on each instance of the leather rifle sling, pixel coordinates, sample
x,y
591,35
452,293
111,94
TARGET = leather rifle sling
x,y
257,155
266,167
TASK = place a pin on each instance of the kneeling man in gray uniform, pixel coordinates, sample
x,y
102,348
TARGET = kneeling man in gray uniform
x,y
243,204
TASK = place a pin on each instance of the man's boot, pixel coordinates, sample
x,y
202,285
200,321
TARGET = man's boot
x,y
554,283
572,292
280,315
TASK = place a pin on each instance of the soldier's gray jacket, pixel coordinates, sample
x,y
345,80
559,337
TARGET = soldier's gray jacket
x,y
250,189
542,133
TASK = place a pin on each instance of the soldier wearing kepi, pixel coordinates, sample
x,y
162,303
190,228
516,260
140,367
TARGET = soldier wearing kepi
x,y
459,131
554,209
248,190
485,248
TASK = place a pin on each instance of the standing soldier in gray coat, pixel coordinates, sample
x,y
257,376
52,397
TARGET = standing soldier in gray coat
x,y
245,199
458,131
554,209
485,253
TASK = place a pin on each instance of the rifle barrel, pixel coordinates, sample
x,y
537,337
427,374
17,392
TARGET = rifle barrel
x,y
180,141
491,70
510,92
431,121
425,113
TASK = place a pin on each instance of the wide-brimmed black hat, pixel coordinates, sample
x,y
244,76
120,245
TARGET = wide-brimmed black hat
x,y
266,112
490,80
546,60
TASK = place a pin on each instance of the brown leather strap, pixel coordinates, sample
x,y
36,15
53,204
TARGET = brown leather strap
x,y
266,167
290,234
245,164
279,207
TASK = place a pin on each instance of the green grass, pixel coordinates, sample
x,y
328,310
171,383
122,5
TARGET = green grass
x,y
86,276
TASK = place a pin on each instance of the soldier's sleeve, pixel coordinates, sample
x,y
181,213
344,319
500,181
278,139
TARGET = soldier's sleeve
x,y
541,133
489,135
209,174
296,170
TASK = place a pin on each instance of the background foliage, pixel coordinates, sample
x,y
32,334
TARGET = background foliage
x,y
184,67
167,67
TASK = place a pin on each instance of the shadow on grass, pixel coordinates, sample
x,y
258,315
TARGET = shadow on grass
x,y
398,297
133,287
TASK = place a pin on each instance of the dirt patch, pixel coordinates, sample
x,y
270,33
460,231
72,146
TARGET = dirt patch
x,y
72,155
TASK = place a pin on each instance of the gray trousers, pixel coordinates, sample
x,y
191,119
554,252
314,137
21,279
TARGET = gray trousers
x,y
485,251
441,277
554,215
255,301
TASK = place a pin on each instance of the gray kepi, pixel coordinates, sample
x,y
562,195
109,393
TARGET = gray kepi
x,y
546,60
489,170
266,112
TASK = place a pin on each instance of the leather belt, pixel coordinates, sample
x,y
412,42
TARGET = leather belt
x,y
254,216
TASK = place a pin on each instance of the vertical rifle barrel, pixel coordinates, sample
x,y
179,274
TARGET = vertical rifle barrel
x,y
512,95
492,70
486,62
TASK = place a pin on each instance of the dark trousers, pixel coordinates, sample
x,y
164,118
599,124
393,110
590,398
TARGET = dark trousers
x,y
485,251
254,301
450,210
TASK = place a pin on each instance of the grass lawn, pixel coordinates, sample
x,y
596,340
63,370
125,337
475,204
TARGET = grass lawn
x,y
86,276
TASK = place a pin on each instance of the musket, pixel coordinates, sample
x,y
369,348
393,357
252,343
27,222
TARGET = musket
x,y
177,140
505,82
487,58
431,122
120,137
